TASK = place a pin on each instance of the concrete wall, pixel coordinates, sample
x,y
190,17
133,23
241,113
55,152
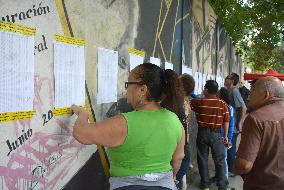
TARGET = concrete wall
x,y
178,31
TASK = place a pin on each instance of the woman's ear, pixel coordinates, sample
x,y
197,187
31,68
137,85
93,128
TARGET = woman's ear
x,y
143,90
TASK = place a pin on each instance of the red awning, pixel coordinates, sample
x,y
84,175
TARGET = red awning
x,y
250,76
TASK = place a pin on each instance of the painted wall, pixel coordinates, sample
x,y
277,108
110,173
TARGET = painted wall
x,y
177,31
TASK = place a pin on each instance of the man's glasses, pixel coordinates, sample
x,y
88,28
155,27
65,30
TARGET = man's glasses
x,y
126,84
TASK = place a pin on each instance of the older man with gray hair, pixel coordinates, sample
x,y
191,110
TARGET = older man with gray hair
x,y
260,156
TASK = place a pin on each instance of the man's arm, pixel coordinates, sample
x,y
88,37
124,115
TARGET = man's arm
x,y
226,122
226,129
242,117
249,146
239,103
242,166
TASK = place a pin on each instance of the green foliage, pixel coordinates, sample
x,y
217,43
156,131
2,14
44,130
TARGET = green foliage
x,y
256,28
277,60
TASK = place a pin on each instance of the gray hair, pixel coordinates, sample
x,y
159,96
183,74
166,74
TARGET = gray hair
x,y
274,86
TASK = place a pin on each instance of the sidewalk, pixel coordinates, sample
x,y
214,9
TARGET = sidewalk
x,y
193,178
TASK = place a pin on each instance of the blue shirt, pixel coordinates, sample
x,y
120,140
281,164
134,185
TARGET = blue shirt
x,y
231,124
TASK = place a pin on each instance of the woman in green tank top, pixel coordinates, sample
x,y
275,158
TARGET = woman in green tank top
x,y
146,146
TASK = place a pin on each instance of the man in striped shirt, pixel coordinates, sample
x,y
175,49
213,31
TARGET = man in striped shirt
x,y
211,114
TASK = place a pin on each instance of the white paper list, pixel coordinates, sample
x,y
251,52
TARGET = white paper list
x,y
69,75
16,72
135,60
200,87
219,81
169,66
186,70
196,83
107,76
204,79
155,61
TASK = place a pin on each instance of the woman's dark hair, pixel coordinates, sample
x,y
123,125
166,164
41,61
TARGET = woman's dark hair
x,y
235,77
174,92
211,86
162,84
224,95
188,84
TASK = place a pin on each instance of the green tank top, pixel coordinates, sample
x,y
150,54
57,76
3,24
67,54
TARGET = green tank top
x,y
151,140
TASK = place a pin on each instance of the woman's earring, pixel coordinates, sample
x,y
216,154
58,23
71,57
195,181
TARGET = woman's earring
x,y
141,103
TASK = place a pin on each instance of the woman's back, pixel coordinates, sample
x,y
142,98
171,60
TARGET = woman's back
x,y
150,143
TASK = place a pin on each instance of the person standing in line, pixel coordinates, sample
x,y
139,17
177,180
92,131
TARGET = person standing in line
x,y
145,146
240,108
260,157
185,117
252,83
244,91
224,95
211,114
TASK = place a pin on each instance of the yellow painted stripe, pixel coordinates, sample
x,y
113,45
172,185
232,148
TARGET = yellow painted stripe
x,y
69,40
162,48
17,28
154,49
67,32
19,115
165,18
62,17
173,37
180,19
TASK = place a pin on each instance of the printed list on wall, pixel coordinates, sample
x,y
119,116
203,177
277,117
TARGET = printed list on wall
x,y
136,58
107,75
16,71
169,66
155,61
69,71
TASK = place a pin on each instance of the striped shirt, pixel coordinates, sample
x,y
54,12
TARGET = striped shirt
x,y
210,113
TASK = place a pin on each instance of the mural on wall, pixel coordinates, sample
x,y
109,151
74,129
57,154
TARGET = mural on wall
x,y
222,57
41,153
203,32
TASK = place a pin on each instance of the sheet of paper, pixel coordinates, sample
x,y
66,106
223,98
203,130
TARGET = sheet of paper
x,y
155,61
186,70
69,74
107,76
196,83
169,66
16,72
200,84
219,81
208,77
135,60
204,79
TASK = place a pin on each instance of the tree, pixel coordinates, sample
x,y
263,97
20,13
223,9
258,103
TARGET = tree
x,y
255,26
277,60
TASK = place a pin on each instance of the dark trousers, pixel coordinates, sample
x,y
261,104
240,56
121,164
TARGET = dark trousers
x,y
206,139
231,156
